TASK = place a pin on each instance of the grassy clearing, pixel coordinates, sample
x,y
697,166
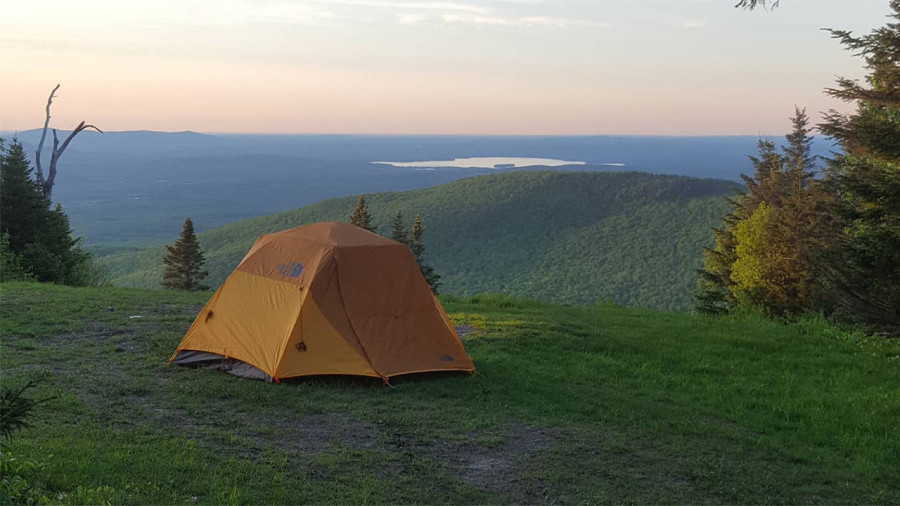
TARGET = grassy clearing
x,y
571,404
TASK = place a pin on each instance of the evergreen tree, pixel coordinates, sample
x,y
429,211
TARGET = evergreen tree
x,y
399,232
767,183
863,265
715,288
184,262
798,158
763,254
361,216
771,271
56,256
417,248
714,294
22,203
39,237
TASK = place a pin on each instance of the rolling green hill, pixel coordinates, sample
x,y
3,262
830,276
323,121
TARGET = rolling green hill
x,y
572,237
570,405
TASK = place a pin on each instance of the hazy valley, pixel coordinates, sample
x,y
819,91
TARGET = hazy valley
x,y
135,188
575,237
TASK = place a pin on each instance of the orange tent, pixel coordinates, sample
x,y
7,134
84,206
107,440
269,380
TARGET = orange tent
x,y
326,298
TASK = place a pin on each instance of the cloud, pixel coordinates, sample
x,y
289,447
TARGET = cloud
x,y
406,12
475,20
410,19
561,22
284,12
413,5
531,21
694,23
237,12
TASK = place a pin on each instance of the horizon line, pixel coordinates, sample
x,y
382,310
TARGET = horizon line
x,y
14,133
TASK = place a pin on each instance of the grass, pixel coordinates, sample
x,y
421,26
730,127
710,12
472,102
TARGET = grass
x,y
570,404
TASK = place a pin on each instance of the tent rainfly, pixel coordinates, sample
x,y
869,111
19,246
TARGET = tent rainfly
x,y
325,298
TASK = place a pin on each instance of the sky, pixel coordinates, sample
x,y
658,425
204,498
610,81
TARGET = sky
x,y
545,67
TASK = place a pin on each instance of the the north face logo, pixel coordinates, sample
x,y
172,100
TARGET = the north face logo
x,y
290,270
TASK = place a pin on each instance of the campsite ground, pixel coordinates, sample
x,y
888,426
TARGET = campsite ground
x,y
570,404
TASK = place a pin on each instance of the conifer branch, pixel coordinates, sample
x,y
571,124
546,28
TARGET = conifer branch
x,y
752,4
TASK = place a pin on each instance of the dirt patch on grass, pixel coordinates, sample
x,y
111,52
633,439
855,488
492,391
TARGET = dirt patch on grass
x,y
249,433
176,309
465,331
314,433
500,464
95,331
571,330
735,428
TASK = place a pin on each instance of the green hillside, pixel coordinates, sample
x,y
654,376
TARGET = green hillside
x,y
571,405
572,237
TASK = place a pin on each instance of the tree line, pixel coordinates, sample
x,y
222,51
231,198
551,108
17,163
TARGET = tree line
x,y
184,259
799,241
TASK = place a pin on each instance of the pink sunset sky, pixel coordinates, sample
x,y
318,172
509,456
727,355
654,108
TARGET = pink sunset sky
x,y
661,67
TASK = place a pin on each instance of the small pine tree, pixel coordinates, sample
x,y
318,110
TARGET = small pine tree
x,y
415,244
399,232
417,248
184,262
361,216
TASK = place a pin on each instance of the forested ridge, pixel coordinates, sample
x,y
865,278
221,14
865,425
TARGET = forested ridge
x,y
574,237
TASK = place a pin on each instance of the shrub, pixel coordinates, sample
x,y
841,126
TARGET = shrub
x,y
10,263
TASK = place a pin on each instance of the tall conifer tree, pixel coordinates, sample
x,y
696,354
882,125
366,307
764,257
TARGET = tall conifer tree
x,y
763,254
800,163
184,262
361,216
864,263
22,203
715,287
39,236
417,248
399,231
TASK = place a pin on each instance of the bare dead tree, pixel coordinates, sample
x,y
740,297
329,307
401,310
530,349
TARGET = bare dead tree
x,y
752,4
47,183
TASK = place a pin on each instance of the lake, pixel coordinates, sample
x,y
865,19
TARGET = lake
x,y
490,162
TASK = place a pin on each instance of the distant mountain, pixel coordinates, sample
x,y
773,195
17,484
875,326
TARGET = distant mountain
x,y
135,188
138,142
575,237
